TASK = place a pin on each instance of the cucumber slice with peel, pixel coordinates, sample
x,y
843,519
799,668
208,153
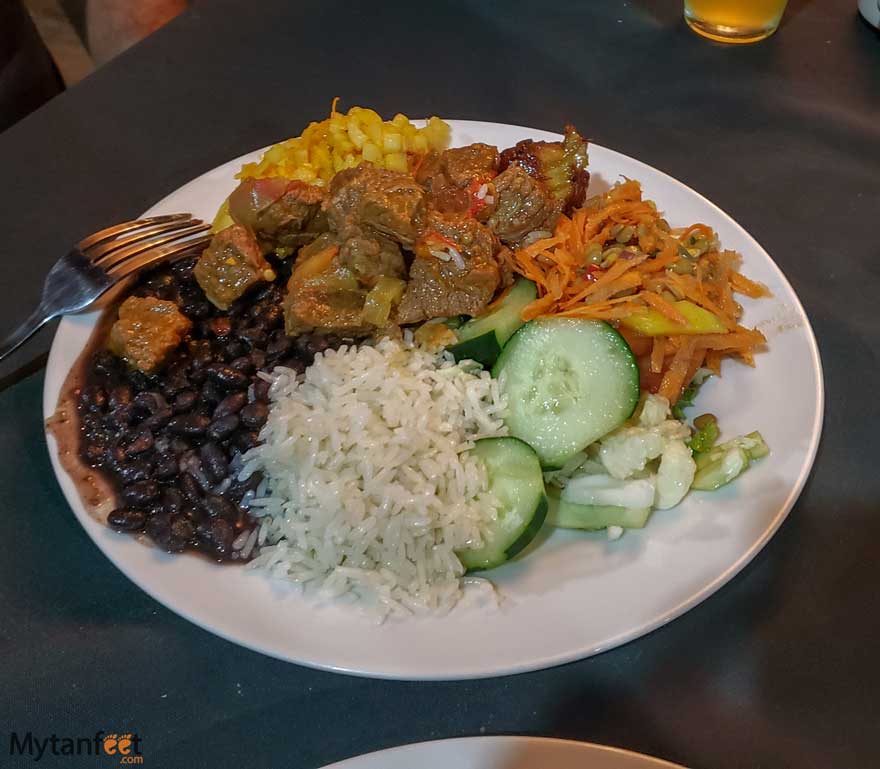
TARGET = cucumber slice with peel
x,y
568,382
482,338
516,481
568,515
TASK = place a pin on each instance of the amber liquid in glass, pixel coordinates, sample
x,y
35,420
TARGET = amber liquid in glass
x,y
734,21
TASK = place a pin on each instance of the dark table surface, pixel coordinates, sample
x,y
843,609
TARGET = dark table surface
x,y
779,669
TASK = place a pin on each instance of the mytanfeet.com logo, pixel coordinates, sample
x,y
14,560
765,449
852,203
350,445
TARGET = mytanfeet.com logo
x,y
120,748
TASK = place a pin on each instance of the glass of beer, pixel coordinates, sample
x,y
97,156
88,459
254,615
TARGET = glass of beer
x,y
734,21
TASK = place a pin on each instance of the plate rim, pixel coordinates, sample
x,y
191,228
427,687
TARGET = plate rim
x,y
533,663
503,740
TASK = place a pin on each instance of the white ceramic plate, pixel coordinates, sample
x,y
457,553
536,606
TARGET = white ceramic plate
x,y
575,595
503,753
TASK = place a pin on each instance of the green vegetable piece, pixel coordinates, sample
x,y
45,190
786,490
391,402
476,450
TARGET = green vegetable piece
x,y
706,435
719,472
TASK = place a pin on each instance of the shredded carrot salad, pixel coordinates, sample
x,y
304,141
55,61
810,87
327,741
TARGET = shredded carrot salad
x,y
616,259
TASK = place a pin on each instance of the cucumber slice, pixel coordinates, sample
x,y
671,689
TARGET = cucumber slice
x,y
718,472
568,383
568,515
516,481
482,338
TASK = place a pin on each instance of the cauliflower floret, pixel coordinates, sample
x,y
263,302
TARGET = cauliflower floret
x,y
627,450
675,474
655,410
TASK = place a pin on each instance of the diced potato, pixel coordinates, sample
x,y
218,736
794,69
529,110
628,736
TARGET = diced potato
x,y
372,153
396,161
392,142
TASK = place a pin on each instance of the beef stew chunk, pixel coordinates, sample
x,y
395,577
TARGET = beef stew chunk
x,y
455,270
147,332
453,178
231,264
560,166
283,214
392,204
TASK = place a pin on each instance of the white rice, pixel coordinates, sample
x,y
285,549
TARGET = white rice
x,y
369,485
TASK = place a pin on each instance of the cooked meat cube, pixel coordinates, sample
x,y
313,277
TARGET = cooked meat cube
x,y
284,214
147,331
561,166
453,177
370,256
455,271
388,202
231,265
522,203
475,163
324,294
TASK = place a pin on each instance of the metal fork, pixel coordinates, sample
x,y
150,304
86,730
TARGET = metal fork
x,y
95,264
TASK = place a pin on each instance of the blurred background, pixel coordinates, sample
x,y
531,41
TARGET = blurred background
x,y
49,45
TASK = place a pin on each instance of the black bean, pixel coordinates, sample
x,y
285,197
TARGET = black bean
x,y
222,428
190,425
272,315
226,376
261,390
258,358
240,488
184,401
255,335
172,500
136,471
254,415
280,344
218,533
159,419
190,462
126,519
194,514
141,493
244,364
231,404
295,363
92,398
234,350
166,467
150,402
120,396
221,327
214,462
196,308
190,487
182,269
212,393
247,439
175,379
220,507
106,364
138,379
200,353
182,531
122,416
94,448
141,442
158,528
178,445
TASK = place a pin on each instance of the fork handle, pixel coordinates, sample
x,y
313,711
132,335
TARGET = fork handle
x,y
33,323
